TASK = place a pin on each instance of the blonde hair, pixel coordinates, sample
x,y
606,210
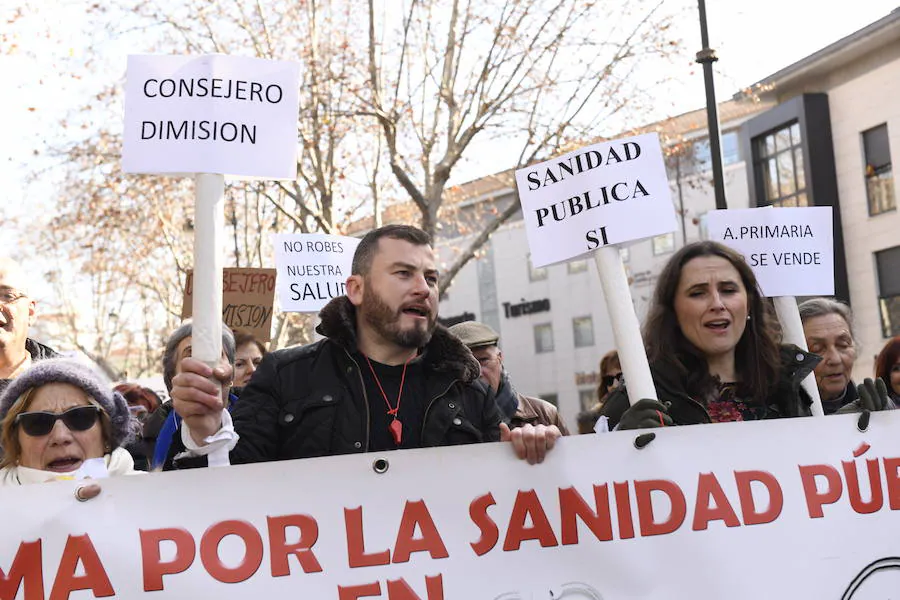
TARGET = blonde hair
x,y
9,438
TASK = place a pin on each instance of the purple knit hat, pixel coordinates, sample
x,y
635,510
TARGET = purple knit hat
x,y
65,370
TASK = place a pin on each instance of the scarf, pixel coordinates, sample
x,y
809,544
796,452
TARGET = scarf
x,y
119,462
507,398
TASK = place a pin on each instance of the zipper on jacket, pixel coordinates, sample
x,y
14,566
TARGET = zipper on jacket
x,y
362,385
703,408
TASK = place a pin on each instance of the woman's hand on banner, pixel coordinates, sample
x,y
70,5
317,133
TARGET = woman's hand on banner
x,y
644,414
873,394
198,398
531,442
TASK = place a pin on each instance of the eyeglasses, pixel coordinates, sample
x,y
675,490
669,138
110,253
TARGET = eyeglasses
x,y
10,296
40,423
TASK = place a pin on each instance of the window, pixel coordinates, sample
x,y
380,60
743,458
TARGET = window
x,y
879,176
699,157
577,266
587,398
888,267
551,398
731,148
543,338
702,158
536,274
780,169
583,328
663,244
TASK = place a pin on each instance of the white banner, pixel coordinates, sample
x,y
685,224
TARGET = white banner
x,y
230,115
796,508
607,193
312,269
791,250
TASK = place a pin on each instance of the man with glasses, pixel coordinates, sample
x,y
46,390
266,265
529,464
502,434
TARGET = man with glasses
x,y
517,409
17,310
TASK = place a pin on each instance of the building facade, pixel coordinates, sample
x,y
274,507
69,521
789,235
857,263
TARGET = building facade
x,y
829,141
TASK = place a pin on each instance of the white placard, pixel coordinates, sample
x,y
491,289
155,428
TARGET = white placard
x,y
607,193
312,269
740,511
791,250
230,115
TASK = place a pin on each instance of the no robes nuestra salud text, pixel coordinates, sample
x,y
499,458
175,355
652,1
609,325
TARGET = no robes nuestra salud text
x,y
575,165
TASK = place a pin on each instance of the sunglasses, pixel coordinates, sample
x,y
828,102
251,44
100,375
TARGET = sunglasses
x,y
608,380
39,423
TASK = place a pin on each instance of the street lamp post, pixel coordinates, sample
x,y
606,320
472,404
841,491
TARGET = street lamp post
x,y
706,57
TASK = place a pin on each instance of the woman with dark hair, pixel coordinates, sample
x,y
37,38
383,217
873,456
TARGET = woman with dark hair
x,y
887,368
887,371
610,375
713,345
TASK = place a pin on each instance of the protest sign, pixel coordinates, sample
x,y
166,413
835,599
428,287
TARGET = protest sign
x,y
210,116
312,269
248,296
230,115
607,193
705,512
791,250
586,200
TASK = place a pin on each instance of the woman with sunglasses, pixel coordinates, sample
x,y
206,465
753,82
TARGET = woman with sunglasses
x,y
61,420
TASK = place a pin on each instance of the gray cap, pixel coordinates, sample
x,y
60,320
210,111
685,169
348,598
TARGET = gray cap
x,y
474,334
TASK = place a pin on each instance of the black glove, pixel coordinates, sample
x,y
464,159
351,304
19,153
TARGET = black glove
x,y
645,413
873,395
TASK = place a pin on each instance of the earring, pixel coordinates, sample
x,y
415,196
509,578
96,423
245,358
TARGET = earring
x,y
748,317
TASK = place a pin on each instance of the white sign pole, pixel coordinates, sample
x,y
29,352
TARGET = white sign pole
x,y
209,232
792,327
626,328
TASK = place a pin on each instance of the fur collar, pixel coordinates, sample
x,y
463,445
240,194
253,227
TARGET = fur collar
x,y
444,353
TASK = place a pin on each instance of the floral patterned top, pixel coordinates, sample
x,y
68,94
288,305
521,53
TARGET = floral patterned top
x,y
727,407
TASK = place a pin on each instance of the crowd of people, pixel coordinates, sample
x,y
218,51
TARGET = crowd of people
x,y
385,375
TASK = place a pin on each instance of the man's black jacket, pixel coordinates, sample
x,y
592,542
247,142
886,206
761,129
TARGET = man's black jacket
x,y
311,401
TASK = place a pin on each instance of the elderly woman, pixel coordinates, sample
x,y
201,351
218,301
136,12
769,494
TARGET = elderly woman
x,y
61,420
828,327
713,348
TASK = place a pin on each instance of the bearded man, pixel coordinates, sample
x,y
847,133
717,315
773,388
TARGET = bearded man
x,y
385,376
